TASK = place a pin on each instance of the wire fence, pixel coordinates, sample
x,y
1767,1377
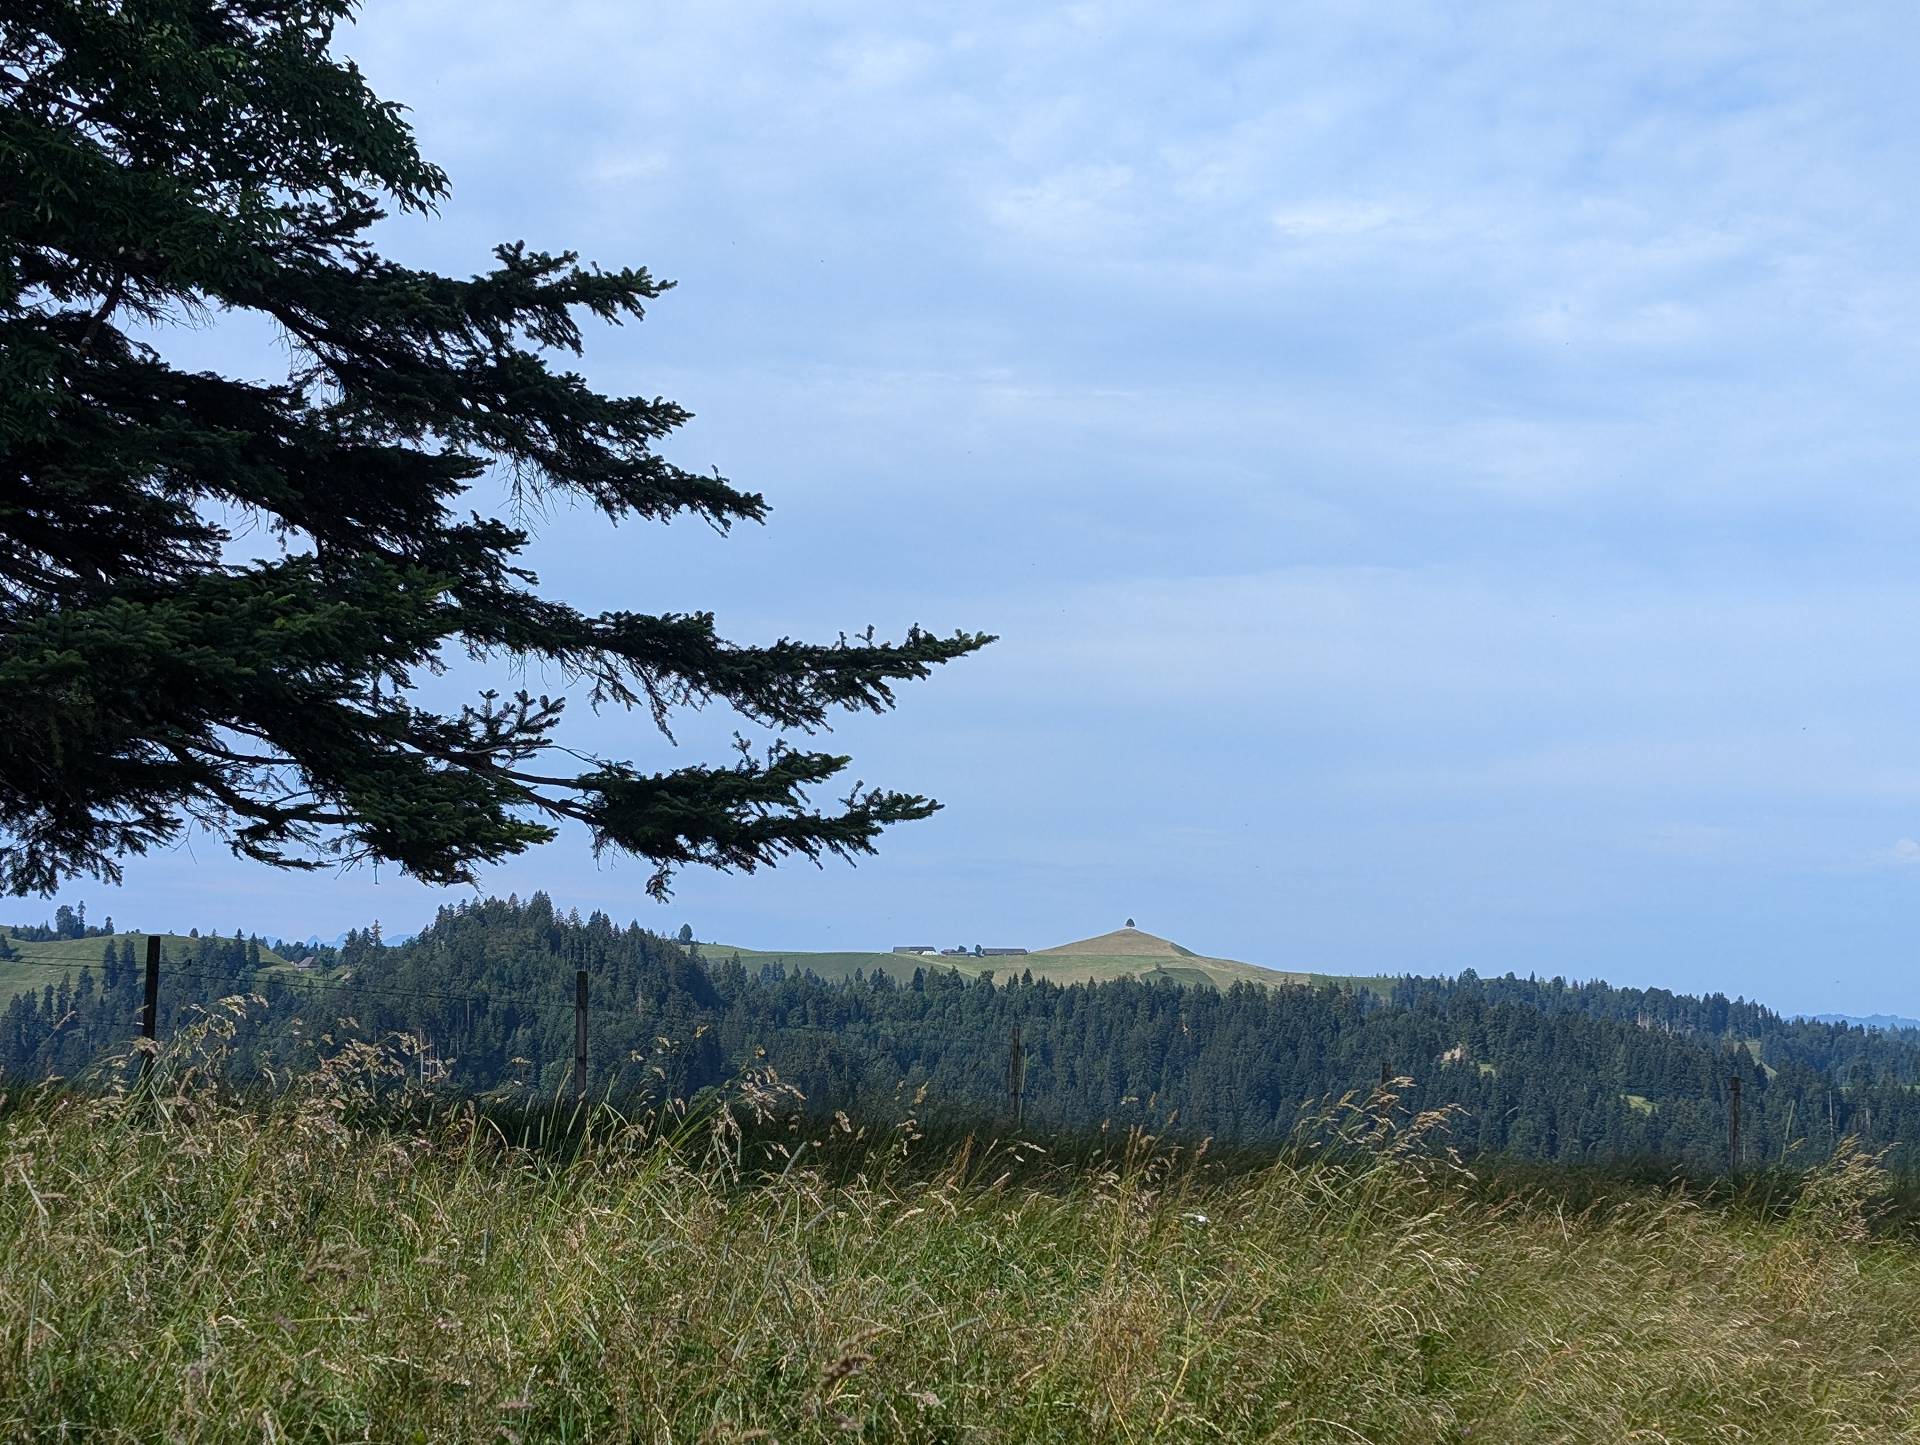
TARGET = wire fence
x,y
313,987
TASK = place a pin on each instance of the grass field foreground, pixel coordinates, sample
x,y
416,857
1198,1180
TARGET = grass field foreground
x,y
200,1270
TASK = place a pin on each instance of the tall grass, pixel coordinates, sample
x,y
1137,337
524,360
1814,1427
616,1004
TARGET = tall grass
x,y
197,1267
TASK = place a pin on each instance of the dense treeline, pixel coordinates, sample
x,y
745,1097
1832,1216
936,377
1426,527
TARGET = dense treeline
x,y
1848,1054
68,922
1540,1070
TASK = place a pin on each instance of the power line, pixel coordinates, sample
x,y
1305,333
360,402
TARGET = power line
x,y
271,975
265,977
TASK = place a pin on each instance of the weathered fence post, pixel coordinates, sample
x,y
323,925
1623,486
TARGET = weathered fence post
x,y
580,1034
1016,1074
150,1013
1733,1125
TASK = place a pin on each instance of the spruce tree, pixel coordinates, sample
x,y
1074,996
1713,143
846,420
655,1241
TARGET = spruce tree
x,y
163,160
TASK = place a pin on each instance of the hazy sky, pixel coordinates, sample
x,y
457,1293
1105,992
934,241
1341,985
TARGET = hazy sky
x,y
1443,474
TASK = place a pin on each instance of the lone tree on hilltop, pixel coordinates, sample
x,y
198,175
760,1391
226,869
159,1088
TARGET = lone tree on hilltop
x,y
164,159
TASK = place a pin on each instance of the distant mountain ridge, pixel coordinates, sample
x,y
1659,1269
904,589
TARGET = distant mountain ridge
x,y
339,940
1892,1023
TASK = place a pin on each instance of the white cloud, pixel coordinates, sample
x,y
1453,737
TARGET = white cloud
x,y
1692,840
618,167
882,61
1074,209
1333,218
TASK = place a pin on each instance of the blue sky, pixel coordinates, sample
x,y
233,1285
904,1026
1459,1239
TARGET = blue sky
x,y
1443,475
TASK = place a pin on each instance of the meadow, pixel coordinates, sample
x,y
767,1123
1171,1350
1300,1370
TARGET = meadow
x,y
344,1262
38,963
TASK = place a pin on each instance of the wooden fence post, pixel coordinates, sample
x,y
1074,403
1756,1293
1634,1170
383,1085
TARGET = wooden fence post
x,y
580,1035
1016,1074
150,1014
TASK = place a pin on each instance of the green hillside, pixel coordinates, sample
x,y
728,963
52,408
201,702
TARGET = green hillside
x,y
1130,951
843,964
1124,953
40,964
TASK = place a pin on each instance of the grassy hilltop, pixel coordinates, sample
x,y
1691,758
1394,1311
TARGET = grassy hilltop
x,y
208,1273
1124,953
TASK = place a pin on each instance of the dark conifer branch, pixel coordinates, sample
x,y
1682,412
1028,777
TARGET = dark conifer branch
x,y
195,155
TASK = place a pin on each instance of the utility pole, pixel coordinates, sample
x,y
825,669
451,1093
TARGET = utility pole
x,y
150,1014
1016,1074
580,1035
1733,1125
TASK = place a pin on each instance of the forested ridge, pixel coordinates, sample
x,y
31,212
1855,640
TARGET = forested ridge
x,y
1540,1069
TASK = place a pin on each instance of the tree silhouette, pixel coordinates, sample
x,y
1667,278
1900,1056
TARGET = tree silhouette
x,y
176,160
